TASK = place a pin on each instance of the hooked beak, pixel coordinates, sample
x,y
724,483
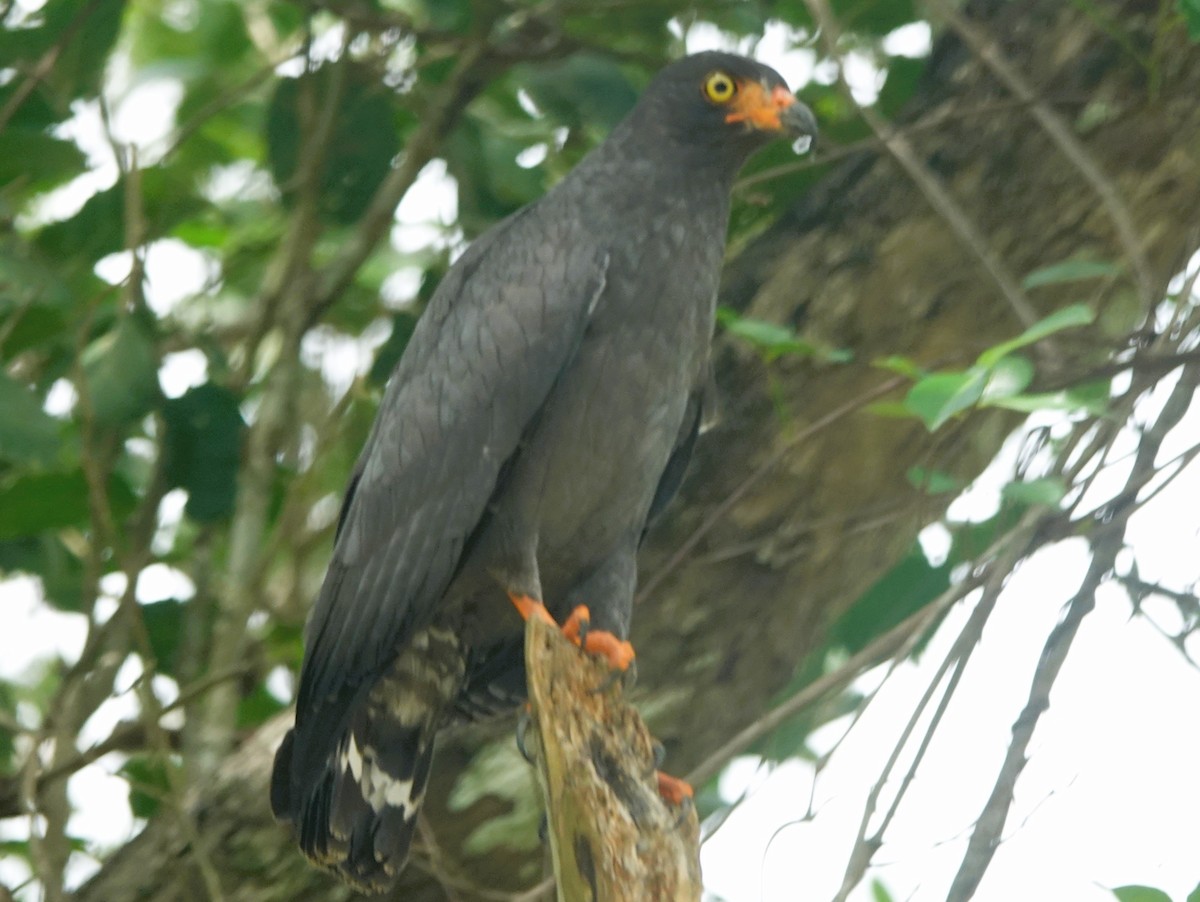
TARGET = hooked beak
x,y
774,110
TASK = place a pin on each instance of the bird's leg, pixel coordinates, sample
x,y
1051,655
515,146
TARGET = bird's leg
x,y
530,607
577,630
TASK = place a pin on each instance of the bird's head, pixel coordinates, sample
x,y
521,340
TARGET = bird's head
x,y
724,105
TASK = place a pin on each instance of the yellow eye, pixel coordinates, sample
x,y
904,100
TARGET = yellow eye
x,y
719,87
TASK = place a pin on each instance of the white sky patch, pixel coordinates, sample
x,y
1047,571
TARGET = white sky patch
x,y
532,156
787,51
935,540
33,630
182,370
1111,762
326,47
323,512
342,358
101,803
428,211
527,103
399,290
61,398
159,581
170,515
145,115
913,40
176,271
86,129
114,268
281,684
113,584
241,180
863,76
1176,284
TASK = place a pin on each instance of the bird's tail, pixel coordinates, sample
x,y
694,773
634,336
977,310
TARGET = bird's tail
x,y
356,814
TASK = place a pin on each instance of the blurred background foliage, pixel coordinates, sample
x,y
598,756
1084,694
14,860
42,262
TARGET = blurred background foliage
x,y
202,291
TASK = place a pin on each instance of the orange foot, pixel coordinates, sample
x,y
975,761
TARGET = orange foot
x,y
674,790
617,652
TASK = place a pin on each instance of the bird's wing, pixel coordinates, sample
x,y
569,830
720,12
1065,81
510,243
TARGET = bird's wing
x,y
501,327
681,454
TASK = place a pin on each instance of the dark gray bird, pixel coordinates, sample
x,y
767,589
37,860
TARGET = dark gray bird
x,y
542,414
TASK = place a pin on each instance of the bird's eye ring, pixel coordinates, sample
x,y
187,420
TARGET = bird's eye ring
x,y
719,87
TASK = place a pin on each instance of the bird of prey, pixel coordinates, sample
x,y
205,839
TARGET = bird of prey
x,y
541,415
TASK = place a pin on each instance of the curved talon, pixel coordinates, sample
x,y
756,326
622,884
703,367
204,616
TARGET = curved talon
x,y
523,721
660,753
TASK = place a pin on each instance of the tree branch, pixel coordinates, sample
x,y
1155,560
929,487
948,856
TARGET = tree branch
x,y
612,837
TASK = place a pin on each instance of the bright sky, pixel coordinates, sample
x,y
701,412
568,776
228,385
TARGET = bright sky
x,y
1110,795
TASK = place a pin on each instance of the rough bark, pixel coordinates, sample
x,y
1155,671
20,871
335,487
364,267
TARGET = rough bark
x,y
611,837
864,263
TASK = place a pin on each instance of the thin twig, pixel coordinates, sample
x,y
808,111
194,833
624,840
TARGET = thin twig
x,y
903,636
721,510
985,838
954,663
45,64
436,121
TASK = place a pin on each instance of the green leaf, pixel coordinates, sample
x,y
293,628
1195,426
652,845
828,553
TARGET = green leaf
x,y
203,449
905,366
390,351
585,89
164,626
893,410
1047,491
1009,377
36,502
1091,397
364,141
1194,895
1069,271
775,340
257,706
1140,894
38,160
932,482
879,892
8,705
46,557
121,373
93,27
903,74
1066,318
907,587
27,433
936,398
1191,15
148,784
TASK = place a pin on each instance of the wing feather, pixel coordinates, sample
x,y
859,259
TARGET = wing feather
x,y
484,357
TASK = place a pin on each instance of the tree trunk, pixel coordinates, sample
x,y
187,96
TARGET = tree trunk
x,y
823,506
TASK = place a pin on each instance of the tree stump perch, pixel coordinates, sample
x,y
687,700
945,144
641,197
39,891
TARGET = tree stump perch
x,y
612,837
